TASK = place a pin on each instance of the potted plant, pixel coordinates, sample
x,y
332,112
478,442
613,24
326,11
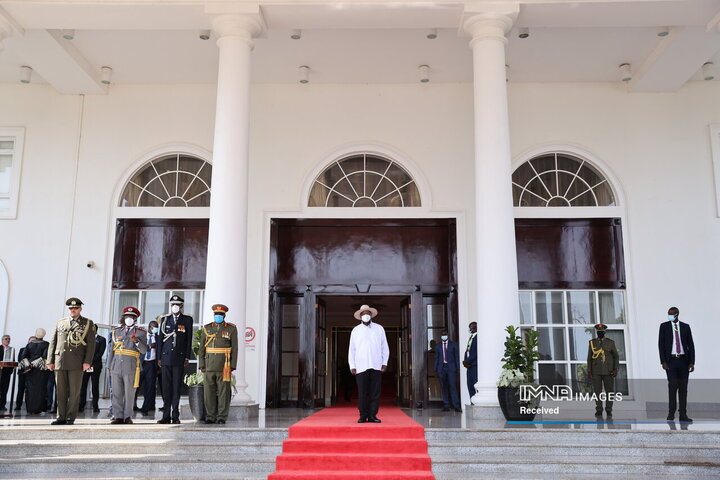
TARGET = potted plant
x,y
194,381
518,369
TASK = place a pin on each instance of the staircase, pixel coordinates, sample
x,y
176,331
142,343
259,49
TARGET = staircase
x,y
573,454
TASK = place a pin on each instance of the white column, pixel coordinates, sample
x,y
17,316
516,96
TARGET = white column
x,y
496,263
227,241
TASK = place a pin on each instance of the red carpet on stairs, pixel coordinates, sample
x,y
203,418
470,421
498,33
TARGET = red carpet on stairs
x,y
331,445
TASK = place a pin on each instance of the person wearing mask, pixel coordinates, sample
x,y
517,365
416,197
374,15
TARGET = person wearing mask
x,y
174,348
36,379
93,373
677,357
368,355
446,368
217,359
22,388
602,367
148,377
129,343
7,354
70,353
470,359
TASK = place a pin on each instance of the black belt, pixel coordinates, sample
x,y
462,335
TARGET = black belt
x,y
677,355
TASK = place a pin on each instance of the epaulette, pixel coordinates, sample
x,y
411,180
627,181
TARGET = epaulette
x,y
209,324
118,327
231,324
142,329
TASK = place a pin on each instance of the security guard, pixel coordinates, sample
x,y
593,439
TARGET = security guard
x,y
217,358
128,344
70,353
602,365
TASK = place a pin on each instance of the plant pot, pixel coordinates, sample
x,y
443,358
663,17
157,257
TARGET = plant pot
x,y
510,404
196,397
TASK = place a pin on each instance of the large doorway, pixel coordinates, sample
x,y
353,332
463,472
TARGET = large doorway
x,y
322,270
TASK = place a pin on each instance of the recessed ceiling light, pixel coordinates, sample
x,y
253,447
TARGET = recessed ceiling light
x,y
304,74
432,34
663,31
25,74
523,32
296,34
708,71
424,73
68,34
625,73
106,75
204,34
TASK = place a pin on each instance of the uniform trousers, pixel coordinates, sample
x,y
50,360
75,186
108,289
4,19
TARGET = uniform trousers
x,y
172,376
123,394
68,384
368,383
677,375
217,396
598,381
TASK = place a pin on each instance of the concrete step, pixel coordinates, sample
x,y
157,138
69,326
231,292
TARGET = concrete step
x,y
495,449
549,476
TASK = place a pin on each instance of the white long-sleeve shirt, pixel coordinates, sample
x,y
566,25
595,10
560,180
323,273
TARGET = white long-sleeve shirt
x,y
368,348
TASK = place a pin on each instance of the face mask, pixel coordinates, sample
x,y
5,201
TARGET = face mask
x,y
470,331
600,334
671,317
155,330
129,321
366,318
219,319
175,309
444,338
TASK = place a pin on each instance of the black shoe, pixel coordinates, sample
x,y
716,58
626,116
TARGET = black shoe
x,y
59,422
128,421
221,421
164,421
176,421
373,420
446,409
96,409
208,420
69,422
362,420
671,416
117,421
81,409
458,409
685,418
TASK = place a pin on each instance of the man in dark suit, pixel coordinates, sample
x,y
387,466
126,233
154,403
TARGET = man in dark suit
x,y
21,380
677,356
174,347
470,360
446,367
7,354
94,375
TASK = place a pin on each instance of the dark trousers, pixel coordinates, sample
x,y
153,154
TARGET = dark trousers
x,y
5,376
172,376
51,400
20,392
68,384
472,374
598,382
368,383
148,380
95,389
677,375
448,386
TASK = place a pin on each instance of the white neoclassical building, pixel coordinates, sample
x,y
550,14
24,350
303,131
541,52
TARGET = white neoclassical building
x,y
546,164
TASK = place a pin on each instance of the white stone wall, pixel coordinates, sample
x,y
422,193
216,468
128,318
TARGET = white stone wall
x,y
657,145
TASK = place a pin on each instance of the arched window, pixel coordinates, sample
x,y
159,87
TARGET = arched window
x,y
560,180
175,180
364,180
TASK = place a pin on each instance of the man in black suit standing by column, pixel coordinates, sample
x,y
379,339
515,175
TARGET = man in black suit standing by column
x,y
677,356
93,375
174,347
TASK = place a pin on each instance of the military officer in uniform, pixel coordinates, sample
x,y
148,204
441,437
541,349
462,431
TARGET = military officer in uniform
x,y
70,353
128,344
217,359
174,347
602,365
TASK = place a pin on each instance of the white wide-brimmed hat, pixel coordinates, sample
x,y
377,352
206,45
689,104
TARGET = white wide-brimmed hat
x,y
366,308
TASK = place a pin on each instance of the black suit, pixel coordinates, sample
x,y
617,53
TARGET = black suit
x,y
5,377
678,366
174,346
21,383
100,345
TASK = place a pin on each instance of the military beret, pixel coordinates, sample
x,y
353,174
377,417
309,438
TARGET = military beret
x,y
131,311
176,299
73,302
220,308
600,327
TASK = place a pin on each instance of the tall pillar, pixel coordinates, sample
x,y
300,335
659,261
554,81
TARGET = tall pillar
x,y
227,240
496,262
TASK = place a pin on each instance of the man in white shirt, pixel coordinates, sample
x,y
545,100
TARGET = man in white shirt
x,y
368,357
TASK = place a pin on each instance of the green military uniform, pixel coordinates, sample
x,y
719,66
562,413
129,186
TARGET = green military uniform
x,y
602,364
218,357
71,345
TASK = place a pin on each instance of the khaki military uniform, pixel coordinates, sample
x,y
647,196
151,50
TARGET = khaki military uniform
x,y
602,361
124,367
72,343
218,355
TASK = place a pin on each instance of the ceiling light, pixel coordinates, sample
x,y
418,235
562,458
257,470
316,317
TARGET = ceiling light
x,y
708,71
432,34
25,74
105,75
204,34
68,34
424,73
663,31
507,72
523,32
625,73
296,34
304,74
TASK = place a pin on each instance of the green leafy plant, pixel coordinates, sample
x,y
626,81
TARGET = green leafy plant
x,y
193,379
519,358
197,336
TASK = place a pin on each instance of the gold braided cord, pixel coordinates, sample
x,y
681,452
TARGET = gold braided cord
x,y
74,337
597,352
210,337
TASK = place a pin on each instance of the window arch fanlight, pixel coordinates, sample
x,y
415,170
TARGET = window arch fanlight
x,y
174,180
558,179
364,180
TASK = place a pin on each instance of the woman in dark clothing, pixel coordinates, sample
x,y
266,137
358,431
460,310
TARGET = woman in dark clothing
x,y
36,379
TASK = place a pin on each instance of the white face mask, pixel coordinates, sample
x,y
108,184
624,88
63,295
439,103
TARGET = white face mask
x,y
175,309
129,321
366,318
444,338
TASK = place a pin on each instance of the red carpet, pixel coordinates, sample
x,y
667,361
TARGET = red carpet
x,y
331,445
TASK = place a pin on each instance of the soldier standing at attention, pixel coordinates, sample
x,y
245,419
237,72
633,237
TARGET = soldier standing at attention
x,y
602,365
174,346
128,343
217,359
70,353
